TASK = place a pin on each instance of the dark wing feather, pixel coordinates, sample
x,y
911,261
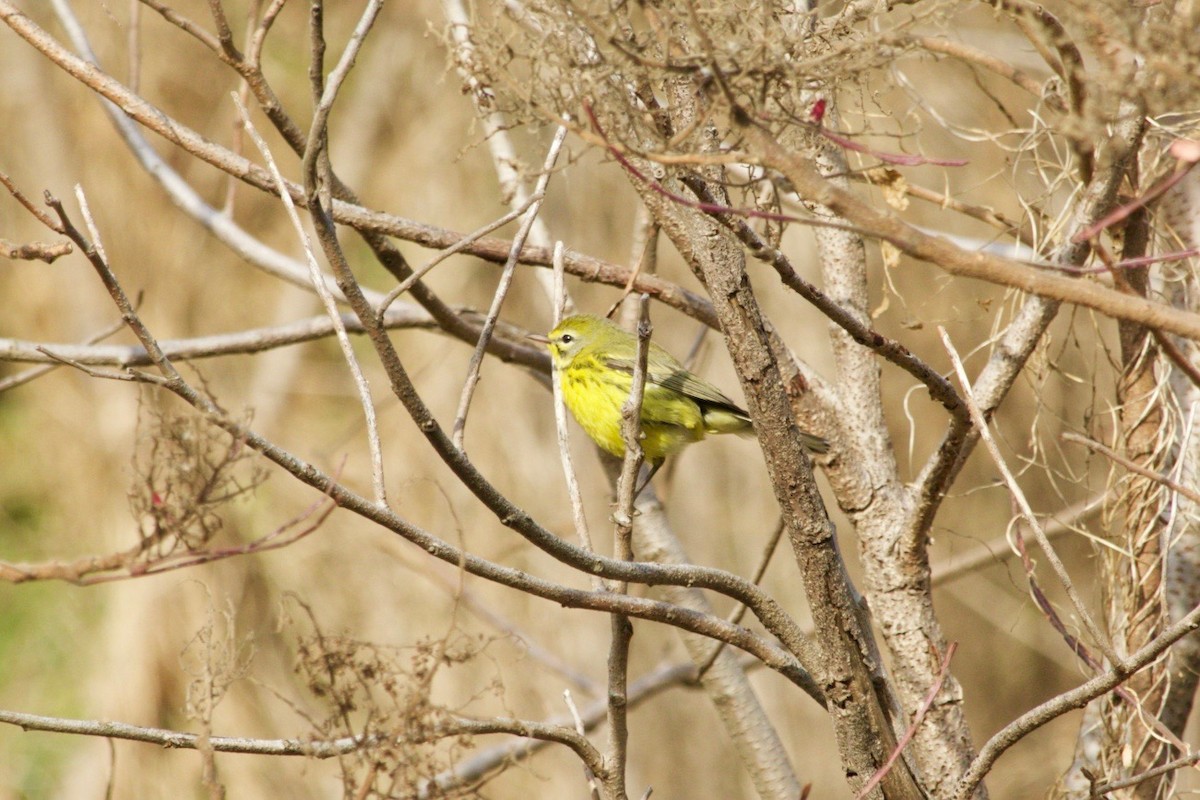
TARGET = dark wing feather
x,y
667,373
672,375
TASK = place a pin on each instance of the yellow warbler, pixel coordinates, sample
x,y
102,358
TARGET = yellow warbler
x,y
595,360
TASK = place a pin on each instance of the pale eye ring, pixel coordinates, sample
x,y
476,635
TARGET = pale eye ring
x,y
566,338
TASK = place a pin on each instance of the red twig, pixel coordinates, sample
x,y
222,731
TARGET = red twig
x,y
889,158
271,541
713,208
1177,356
818,114
1081,650
1043,602
1187,153
1129,263
708,208
926,704
123,566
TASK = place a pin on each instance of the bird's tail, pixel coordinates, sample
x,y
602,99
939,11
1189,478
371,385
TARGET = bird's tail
x,y
726,420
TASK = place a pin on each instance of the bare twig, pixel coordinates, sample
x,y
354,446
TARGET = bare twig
x,y
495,133
1123,211
1081,650
631,429
128,312
486,762
450,726
739,610
327,95
21,378
981,425
589,774
183,741
489,324
560,419
131,563
1177,356
39,214
622,630
24,377
316,158
463,243
126,374
1078,697
645,243
1104,789
254,340
97,242
360,380
982,58
892,350
1109,453
998,549
912,726
34,251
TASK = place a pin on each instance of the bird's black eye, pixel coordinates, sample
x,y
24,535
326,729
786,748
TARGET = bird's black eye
x,y
566,338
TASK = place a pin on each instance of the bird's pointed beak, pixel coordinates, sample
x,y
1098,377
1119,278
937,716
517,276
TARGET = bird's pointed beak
x,y
538,337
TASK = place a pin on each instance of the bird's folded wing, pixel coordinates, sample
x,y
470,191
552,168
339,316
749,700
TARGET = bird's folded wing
x,y
680,380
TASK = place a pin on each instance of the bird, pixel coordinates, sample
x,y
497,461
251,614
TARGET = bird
x,y
594,359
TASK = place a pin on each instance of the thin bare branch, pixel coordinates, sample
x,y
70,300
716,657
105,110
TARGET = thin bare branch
x,y
463,243
981,425
560,419
1104,790
486,762
34,251
327,95
182,741
21,378
496,127
981,58
489,323
912,726
39,214
621,629
450,725
120,298
998,549
1078,697
318,283
134,563
892,350
1116,457
255,340
631,431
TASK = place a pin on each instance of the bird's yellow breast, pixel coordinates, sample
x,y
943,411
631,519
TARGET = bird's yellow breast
x,y
669,420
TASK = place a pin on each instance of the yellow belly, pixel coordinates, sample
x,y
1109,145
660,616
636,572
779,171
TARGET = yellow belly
x,y
669,420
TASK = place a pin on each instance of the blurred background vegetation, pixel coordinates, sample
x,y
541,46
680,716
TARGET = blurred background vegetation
x,y
406,138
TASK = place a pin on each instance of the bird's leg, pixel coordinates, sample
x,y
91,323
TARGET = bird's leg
x,y
653,469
